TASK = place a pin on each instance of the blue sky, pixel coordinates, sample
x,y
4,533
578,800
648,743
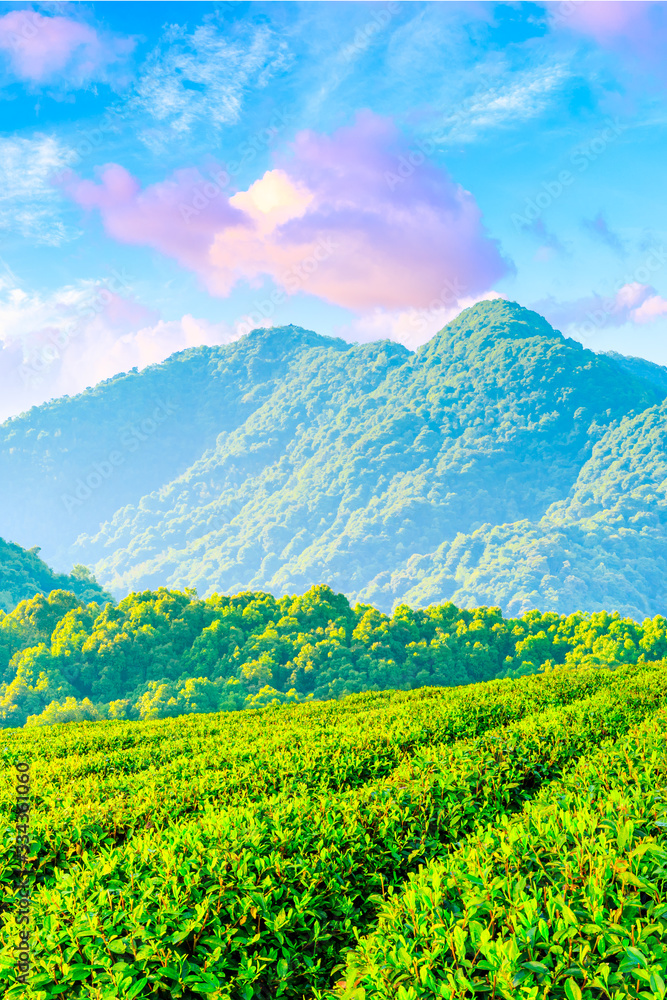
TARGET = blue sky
x,y
174,174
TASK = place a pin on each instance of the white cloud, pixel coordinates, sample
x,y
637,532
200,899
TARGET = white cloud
x,y
367,33
199,79
496,106
152,344
410,327
28,200
62,343
474,87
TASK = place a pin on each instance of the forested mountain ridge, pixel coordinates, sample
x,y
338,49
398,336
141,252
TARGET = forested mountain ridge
x,y
156,423
604,546
647,370
289,460
23,574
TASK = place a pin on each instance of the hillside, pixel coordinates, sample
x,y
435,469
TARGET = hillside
x,y
23,574
604,546
641,367
68,465
287,460
166,653
503,839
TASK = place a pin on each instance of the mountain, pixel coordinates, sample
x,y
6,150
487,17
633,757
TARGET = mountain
x,y
70,464
604,546
641,367
467,470
23,574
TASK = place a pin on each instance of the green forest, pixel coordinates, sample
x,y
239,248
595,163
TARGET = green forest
x,y
164,653
499,464
23,574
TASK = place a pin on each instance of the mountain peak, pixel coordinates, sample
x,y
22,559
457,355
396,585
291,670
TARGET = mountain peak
x,y
288,337
485,323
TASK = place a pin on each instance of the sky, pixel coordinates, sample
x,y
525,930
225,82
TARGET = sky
x,y
175,174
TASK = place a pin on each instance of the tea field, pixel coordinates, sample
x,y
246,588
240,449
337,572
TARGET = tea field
x,y
504,840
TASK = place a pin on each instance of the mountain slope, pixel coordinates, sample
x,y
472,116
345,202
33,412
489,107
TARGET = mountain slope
x,y
644,369
360,459
68,465
290,460
605,546
23,574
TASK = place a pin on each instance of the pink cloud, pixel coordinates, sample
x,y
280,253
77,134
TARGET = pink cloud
x,y
633,303
627,298
602,20
637,30
403,226
651,309
163,215
356,218
43,48
636,303
77,337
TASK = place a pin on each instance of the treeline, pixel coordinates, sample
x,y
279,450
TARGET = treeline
x,y
23,573
165,653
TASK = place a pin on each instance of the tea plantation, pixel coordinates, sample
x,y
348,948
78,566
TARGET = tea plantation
x,y
506,839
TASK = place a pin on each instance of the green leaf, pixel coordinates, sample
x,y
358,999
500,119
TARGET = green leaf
x,y
572,991
636,957
537,967
657,984
117,946
136,988
80,972
283,968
